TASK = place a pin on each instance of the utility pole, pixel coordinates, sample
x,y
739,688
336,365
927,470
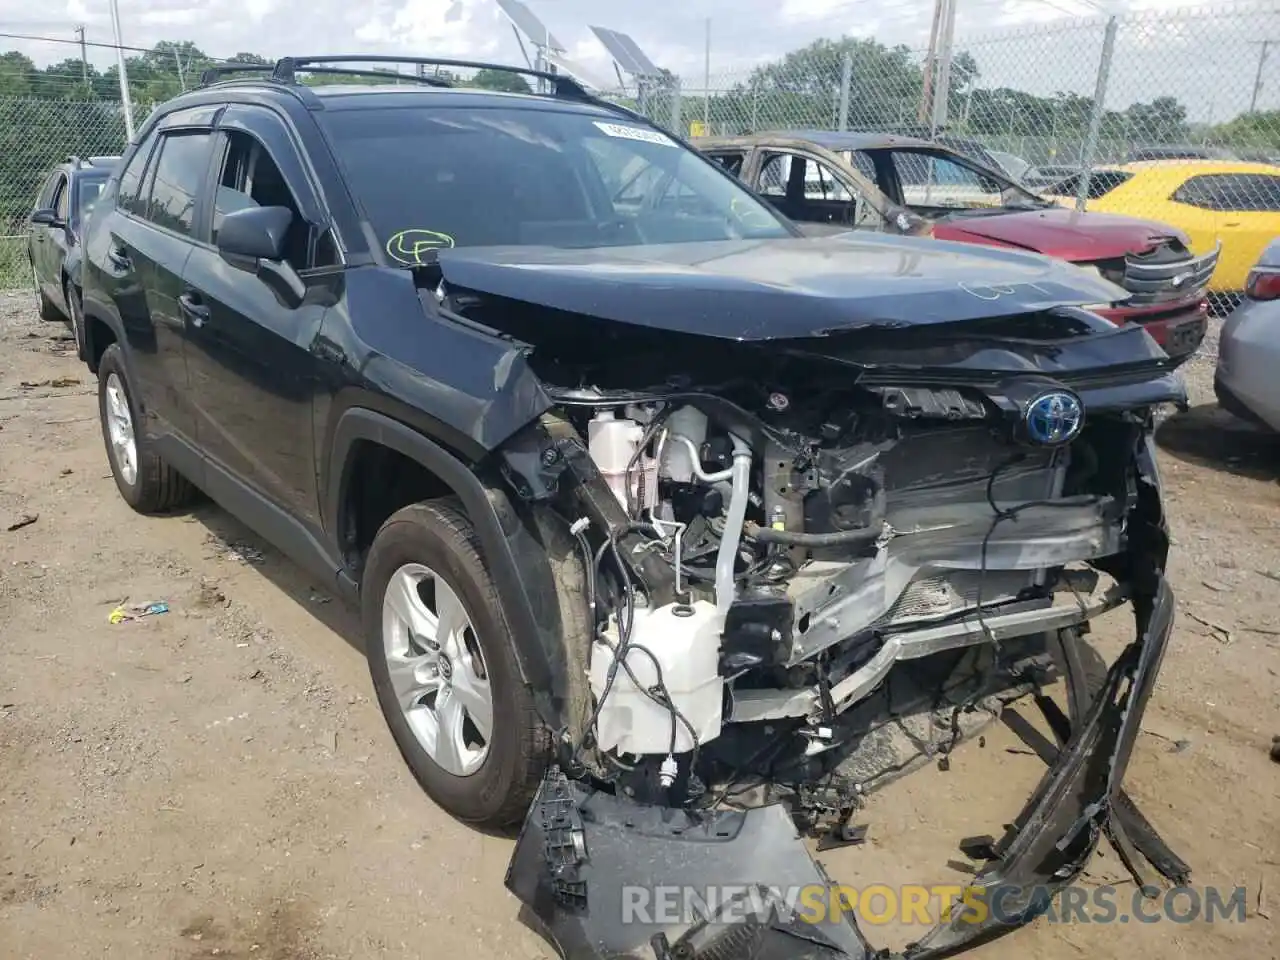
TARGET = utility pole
x,y
84,56
942,82
930,58
1257,80
706,84
124,76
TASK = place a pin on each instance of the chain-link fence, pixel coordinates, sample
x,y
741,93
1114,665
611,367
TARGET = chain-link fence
x,y
36,134
1195,87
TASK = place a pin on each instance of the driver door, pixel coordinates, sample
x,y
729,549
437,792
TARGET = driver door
x,y
249,356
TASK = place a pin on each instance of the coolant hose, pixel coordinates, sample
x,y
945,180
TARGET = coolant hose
x,y
727,558
794,538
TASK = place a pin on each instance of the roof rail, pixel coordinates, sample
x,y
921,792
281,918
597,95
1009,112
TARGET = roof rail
x,y
287,68
73,160
214,73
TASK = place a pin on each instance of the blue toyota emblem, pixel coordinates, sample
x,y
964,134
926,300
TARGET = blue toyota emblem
x,y
1054,418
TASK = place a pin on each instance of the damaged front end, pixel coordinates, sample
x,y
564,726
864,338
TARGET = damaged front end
x,y
800,557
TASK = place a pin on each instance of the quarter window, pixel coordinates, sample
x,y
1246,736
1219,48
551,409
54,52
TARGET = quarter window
x,y
179,173
1243,192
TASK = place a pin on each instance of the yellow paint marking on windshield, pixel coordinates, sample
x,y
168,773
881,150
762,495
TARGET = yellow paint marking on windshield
x,y
410,247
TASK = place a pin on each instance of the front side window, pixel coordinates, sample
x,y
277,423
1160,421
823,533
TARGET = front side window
x,y
179,173
87,193
441,176
931,178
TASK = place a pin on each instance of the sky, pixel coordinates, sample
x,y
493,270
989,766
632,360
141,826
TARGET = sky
x,y
1207,59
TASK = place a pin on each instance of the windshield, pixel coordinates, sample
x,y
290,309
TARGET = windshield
x,y
443,176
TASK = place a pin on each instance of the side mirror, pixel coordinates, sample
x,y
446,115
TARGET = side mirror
x,y
253,240
253,234
46,217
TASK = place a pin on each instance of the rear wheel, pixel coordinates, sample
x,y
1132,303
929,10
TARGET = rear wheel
x,y
76,308
443,668
146,482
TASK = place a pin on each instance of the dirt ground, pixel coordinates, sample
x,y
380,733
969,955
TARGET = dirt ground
x,y
216,781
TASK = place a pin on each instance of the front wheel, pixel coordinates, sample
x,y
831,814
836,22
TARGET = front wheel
x,y
443,667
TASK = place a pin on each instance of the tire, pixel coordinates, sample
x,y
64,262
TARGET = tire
x,y
49,311
436,536
75,306
151,485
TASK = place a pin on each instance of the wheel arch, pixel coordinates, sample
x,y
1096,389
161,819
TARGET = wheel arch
x,y
520,551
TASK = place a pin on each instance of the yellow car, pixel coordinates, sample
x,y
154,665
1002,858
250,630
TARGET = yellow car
x,y
1237,204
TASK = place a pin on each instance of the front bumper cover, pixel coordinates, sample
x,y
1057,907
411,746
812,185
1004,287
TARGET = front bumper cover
x,y
583,854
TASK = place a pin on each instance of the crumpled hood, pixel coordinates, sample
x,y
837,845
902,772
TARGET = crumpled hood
x,y
783,288
1057,232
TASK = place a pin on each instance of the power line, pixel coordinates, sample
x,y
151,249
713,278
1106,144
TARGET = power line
x,y
92,43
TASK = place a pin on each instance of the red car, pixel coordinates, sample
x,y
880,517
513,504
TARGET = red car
x,y
834,182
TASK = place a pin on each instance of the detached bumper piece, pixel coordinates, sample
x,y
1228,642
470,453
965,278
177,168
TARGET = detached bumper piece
x,y
586,860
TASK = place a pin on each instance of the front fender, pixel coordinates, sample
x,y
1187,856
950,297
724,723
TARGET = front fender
x,y
518,551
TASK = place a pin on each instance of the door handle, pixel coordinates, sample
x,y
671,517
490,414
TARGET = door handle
x,y
119,259
194,310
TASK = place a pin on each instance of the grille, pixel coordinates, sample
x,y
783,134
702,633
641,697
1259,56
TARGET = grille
x,y
1167,272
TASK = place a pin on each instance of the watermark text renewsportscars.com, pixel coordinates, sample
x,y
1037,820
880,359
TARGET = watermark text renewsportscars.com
x,y
882,904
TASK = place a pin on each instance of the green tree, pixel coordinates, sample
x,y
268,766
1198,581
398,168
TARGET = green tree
x,y
502,80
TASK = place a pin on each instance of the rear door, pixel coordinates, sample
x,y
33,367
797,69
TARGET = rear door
x,y
148,242
249,350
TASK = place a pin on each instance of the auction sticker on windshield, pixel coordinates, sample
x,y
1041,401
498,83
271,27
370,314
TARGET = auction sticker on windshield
x,y
634,133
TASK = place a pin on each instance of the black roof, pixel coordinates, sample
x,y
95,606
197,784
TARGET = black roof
x,y
854,139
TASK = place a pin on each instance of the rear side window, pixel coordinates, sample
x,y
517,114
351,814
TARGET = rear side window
x,y
127,194
1256,192
730,161
180,171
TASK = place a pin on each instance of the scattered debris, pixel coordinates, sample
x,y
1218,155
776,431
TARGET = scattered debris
x,y
1220,633
1270,575
123,614
26,520
1180,746
58,423
1275,749
1265,631
318,597
67,471
1217,586
1260,909
56,382
234,549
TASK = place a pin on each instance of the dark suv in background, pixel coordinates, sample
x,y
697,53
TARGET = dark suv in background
x,y
57,228
640,492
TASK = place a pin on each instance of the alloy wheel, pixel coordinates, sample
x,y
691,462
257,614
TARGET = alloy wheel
x,y
437,671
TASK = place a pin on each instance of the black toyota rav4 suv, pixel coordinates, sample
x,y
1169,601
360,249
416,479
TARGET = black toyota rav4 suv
x,y
650,504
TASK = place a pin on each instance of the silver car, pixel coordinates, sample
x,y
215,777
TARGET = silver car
x,y
1249,351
